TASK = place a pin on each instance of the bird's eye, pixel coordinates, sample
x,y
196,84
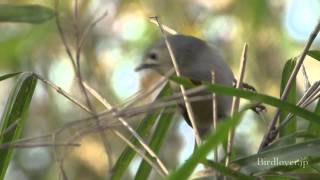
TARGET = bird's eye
x,y
153,56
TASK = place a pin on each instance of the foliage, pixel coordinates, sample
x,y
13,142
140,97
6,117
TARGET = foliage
x,y
25,48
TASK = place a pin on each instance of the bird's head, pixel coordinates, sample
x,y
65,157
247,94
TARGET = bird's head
x,y
156,58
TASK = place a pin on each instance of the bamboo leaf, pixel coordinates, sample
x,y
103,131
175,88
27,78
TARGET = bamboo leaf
x,y
15,113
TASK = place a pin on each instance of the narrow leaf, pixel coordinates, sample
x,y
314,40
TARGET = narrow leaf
x,y
156,142
25,13
15,112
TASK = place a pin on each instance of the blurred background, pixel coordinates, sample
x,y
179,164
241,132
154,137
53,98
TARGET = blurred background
x,y
276,30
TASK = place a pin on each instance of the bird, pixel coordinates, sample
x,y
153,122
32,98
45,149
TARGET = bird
x,y
196,60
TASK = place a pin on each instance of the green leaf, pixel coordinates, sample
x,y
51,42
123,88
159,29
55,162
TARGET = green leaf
x,y
269,159
314,54
127,155
6,76
253,96
291,126
156,141
199,155
25,13
14,115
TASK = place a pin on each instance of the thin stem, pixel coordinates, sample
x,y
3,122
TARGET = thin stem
x,y
183,91
85,34
77,69
62,92
165,28
236,101
125,124
309,97
214,118
62,35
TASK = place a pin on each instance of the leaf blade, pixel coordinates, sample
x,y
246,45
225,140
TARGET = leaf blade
x,y
15,112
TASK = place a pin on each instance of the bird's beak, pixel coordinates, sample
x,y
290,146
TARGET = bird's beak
x,y
146,66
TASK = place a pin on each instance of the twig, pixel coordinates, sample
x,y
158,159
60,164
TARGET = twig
x,y
125,124
62,92
309,97
214,118
183,91
270,135
165,28
236,101
77,70
148,92
305,78
62,35
76,21
11,128
89,28
122,113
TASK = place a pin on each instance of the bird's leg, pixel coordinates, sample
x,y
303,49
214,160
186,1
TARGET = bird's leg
x,y
257,108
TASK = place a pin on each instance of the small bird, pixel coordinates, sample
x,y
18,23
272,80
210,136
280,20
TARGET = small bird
x,y
196,60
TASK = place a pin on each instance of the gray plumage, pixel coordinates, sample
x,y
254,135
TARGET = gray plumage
x,y
196,60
